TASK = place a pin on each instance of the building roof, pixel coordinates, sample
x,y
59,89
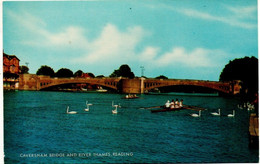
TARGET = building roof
x,y
10,56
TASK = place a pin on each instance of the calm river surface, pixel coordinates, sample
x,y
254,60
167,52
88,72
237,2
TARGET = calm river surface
x,y
38,130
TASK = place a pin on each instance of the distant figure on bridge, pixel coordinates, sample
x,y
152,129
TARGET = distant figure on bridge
x,y
167,104
181,103
177,103
172,104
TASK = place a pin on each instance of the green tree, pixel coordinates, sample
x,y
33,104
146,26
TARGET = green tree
x,y
91,74
64,72
23,69
45,70
79,73
124,71
100,76
161,77
244,69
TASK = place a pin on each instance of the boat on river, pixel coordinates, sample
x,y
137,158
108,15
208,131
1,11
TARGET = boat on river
x,y
130,97
168,109
100,89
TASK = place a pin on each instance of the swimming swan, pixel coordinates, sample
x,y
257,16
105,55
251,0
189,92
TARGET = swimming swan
x,y
87,109
216,114
115,110
119,106
71,112
231,115
196,115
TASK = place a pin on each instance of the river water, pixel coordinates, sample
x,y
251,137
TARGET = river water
x,y
38,130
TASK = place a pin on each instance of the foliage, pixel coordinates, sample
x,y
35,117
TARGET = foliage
x,y
23,69
244,69
91,74
64,72
78,73
124,71
100,76
161,77
45,70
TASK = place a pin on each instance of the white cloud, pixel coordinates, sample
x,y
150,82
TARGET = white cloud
x,y
198,57
149,54
231,19
247,12
114,46
27,20
72,36
238,16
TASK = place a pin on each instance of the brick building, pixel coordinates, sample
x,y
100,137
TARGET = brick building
x,y
10,71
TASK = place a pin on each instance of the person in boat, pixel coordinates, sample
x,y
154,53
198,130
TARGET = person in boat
x,y
167,104
181,103
176,103
172,104
130,96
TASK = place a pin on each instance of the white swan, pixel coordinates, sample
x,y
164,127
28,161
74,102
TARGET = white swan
x,y
196,115
250,107
71,112
231,115
115,110
87,109
216,114
239,106
119,106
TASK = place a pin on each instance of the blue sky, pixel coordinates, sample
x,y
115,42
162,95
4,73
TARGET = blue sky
x,y
181,39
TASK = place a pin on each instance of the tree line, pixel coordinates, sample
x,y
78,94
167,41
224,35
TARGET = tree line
x,y
123,71
243,69
63,72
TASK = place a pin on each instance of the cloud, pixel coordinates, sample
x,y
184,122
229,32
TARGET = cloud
x,y
149,54
114,46
72,37
27,20
198,57
238,16
232,20
38,35
245,12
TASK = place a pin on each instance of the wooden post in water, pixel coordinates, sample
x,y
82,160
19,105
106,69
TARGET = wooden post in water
x,y
253,131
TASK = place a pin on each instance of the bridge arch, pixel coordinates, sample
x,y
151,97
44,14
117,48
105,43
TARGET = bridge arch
x,y
217,86
180,88
111,83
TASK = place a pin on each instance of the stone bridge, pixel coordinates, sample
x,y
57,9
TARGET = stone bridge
x,y
124,85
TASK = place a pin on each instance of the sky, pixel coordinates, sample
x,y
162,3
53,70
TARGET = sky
x,y
180,39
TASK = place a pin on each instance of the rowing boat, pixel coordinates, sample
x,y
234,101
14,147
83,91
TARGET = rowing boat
x,y
168,109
